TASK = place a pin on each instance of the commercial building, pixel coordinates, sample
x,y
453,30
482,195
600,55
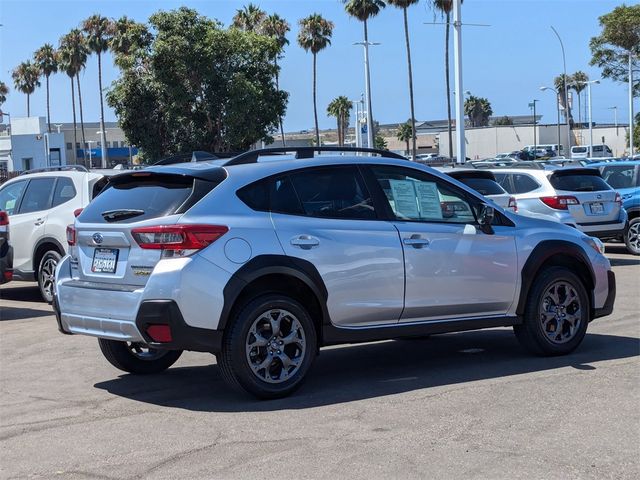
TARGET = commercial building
x,y
118,148
25,144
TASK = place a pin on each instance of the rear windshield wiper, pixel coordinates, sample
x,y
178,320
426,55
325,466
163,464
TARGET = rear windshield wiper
x,y
113,215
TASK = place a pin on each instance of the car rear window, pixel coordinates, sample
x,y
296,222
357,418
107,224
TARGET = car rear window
x,y
137,197
578,183
621,176
484,186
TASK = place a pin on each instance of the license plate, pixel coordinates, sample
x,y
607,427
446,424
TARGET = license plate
x,y
105,260
597,208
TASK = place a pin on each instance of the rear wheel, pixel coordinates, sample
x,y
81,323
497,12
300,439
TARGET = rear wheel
x,y
556,313
269,347
632,236
134,357
47,274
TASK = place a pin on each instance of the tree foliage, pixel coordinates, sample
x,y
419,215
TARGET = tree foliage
x,y
405,133
4,91
620,37
478,109
197,86
559,83
340,108
26,78
506,120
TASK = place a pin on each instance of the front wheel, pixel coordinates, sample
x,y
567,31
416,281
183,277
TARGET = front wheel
x,y
47,274
269,347
556,314
134,357
632,236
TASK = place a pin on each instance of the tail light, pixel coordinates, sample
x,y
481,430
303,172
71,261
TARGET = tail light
x,y
4,219
513,204
560,202
71,235
618,199
177,237
160,333
77,212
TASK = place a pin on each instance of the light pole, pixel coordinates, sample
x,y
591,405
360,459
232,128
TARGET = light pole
x,y
588,84
90,152
566,91
457,62
535,140
367,91
103,147
542,89
630,106
615,117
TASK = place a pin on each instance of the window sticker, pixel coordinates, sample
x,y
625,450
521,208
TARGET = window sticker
x,y
404,198
429,201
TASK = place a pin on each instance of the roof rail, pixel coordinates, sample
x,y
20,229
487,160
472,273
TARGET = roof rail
x,y
196,156
62,168
305,152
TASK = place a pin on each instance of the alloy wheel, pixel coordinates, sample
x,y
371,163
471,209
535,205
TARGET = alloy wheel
x,y
633,236
275,346
560,312
47,277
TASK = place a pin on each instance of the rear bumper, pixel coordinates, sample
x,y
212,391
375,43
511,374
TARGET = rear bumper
x,y
603,230
176,294
607,308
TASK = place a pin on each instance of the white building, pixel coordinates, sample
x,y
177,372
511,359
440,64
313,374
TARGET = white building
x,y
27,145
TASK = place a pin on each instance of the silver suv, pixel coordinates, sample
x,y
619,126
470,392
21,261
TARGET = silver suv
x,y
263,260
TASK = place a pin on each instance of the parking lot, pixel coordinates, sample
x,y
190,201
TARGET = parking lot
x,y
467,405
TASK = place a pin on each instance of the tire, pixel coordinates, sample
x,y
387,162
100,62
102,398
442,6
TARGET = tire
x,y
547,330
632,236
47,274
137,357
245,360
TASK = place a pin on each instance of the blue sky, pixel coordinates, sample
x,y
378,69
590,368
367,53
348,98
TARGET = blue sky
x,y
506,62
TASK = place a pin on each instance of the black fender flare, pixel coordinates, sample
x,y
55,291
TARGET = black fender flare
x,y
263,265
41,242
540,254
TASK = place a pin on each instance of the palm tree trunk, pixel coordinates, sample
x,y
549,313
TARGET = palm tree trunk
x,y
75,132
413,116
84,141
315,107
277,77
579,112
48,112
103,136
448,82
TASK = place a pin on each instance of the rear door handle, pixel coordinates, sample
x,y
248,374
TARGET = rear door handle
x,y
416,241
306,242
39,221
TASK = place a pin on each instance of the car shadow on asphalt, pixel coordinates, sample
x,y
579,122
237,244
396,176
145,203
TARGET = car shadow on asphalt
x,y
620,262
11,313
350,373
27,293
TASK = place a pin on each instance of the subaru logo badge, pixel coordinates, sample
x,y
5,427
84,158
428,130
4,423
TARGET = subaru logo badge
x,y
97,238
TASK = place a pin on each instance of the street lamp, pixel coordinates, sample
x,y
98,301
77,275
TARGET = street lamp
x,y
588,84
542,89
367,91
566,90
535,141
90,152
615,117
357,126
103,147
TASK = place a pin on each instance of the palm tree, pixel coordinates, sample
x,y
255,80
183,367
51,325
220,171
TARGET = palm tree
x,y
578,83
4,91
478,109
405,133
363,10
249,18
46,58
277,27
26,78
72,57
340,108
559,83
314,36
404,4
98,30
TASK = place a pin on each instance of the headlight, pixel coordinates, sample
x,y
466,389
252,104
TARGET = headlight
x,y
594,243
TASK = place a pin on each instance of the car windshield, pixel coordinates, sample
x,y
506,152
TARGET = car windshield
x,y
620,176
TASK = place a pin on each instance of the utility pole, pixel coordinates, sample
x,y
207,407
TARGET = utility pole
x,y
535,124
566,91
630,106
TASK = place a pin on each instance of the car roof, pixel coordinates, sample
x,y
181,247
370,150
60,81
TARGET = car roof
x,y
57,173
625,163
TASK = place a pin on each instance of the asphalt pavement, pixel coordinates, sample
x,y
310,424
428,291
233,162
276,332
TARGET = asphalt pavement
x,y
465,405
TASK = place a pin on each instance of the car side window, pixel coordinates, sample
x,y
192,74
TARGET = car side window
x,y
417,196
37,196
333,192
523,183
64,191
10,196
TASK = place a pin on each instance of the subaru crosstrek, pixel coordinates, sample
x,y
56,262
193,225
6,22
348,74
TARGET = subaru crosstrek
x,y
264,262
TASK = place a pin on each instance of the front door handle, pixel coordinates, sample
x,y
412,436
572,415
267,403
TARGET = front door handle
x,y
416,241
306,242
39,221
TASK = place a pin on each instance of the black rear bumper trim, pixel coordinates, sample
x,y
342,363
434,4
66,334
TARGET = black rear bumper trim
x,y
607,308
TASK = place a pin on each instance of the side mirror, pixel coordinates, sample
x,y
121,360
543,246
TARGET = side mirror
x,y
485,219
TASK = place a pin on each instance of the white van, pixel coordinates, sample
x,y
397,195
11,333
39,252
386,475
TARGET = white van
x,y
588,151
544,147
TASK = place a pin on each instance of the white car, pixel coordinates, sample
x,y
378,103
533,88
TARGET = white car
x,y
40,205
